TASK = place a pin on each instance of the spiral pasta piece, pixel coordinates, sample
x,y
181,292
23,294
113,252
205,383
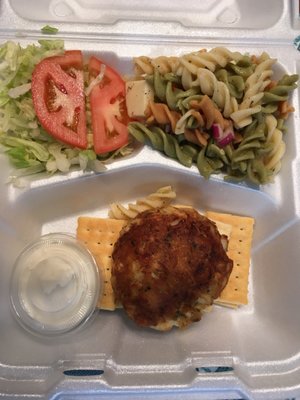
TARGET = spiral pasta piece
x,y
251,141
259,155
241,70
272,160
259,80
161,198
243,117
161,141
211,160
210,113
196,136
257,172
160,113
254,92
280,91
243,67
167,91
235,83
216,90
164,65
218,56
184,121
271,124
285,109
203,112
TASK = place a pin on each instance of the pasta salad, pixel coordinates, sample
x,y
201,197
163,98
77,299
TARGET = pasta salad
x,y
219,109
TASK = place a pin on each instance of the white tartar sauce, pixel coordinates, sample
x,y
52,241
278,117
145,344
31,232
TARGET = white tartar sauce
x,y
55,285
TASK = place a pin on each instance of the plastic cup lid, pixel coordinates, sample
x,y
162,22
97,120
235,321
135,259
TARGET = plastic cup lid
x,y
55,285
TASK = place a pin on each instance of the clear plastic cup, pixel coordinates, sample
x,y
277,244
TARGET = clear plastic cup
x,y
55,285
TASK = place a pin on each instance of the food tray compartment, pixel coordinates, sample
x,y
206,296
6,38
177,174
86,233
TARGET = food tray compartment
x,y
254,343
256,346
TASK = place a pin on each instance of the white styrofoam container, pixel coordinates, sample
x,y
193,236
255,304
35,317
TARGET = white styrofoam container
x,y
259,344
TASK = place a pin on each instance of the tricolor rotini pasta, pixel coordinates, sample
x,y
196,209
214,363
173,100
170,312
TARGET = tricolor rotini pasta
x,y
255,85
216,90
161,198
218,109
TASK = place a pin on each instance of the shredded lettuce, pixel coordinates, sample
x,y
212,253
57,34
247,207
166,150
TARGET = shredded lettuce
x,y
19,90
50,30
19,128
96,80
28,151
121,152
89,160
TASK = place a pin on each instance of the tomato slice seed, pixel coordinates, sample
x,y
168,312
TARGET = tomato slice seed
x,y
61,88
71,73
51,96
74,124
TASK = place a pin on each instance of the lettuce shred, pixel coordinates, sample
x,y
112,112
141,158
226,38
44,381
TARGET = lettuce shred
x,y
49,30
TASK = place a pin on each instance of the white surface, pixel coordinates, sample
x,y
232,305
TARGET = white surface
x,y
260,341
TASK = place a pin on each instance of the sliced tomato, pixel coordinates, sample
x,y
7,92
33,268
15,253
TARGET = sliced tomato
x,y
57,89
108,109
70,59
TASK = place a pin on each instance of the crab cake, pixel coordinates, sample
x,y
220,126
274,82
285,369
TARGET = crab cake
x,y
168,265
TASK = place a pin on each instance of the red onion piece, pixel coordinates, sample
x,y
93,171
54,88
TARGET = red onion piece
x,y
228,137
222,138
217,131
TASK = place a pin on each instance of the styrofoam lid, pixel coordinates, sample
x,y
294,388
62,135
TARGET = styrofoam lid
x,y
266,20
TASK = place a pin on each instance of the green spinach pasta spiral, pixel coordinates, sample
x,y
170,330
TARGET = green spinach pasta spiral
x,y
235,83
243,68
166,90
161,141
281,91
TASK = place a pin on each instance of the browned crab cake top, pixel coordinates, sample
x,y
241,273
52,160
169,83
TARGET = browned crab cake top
x,y
169,264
